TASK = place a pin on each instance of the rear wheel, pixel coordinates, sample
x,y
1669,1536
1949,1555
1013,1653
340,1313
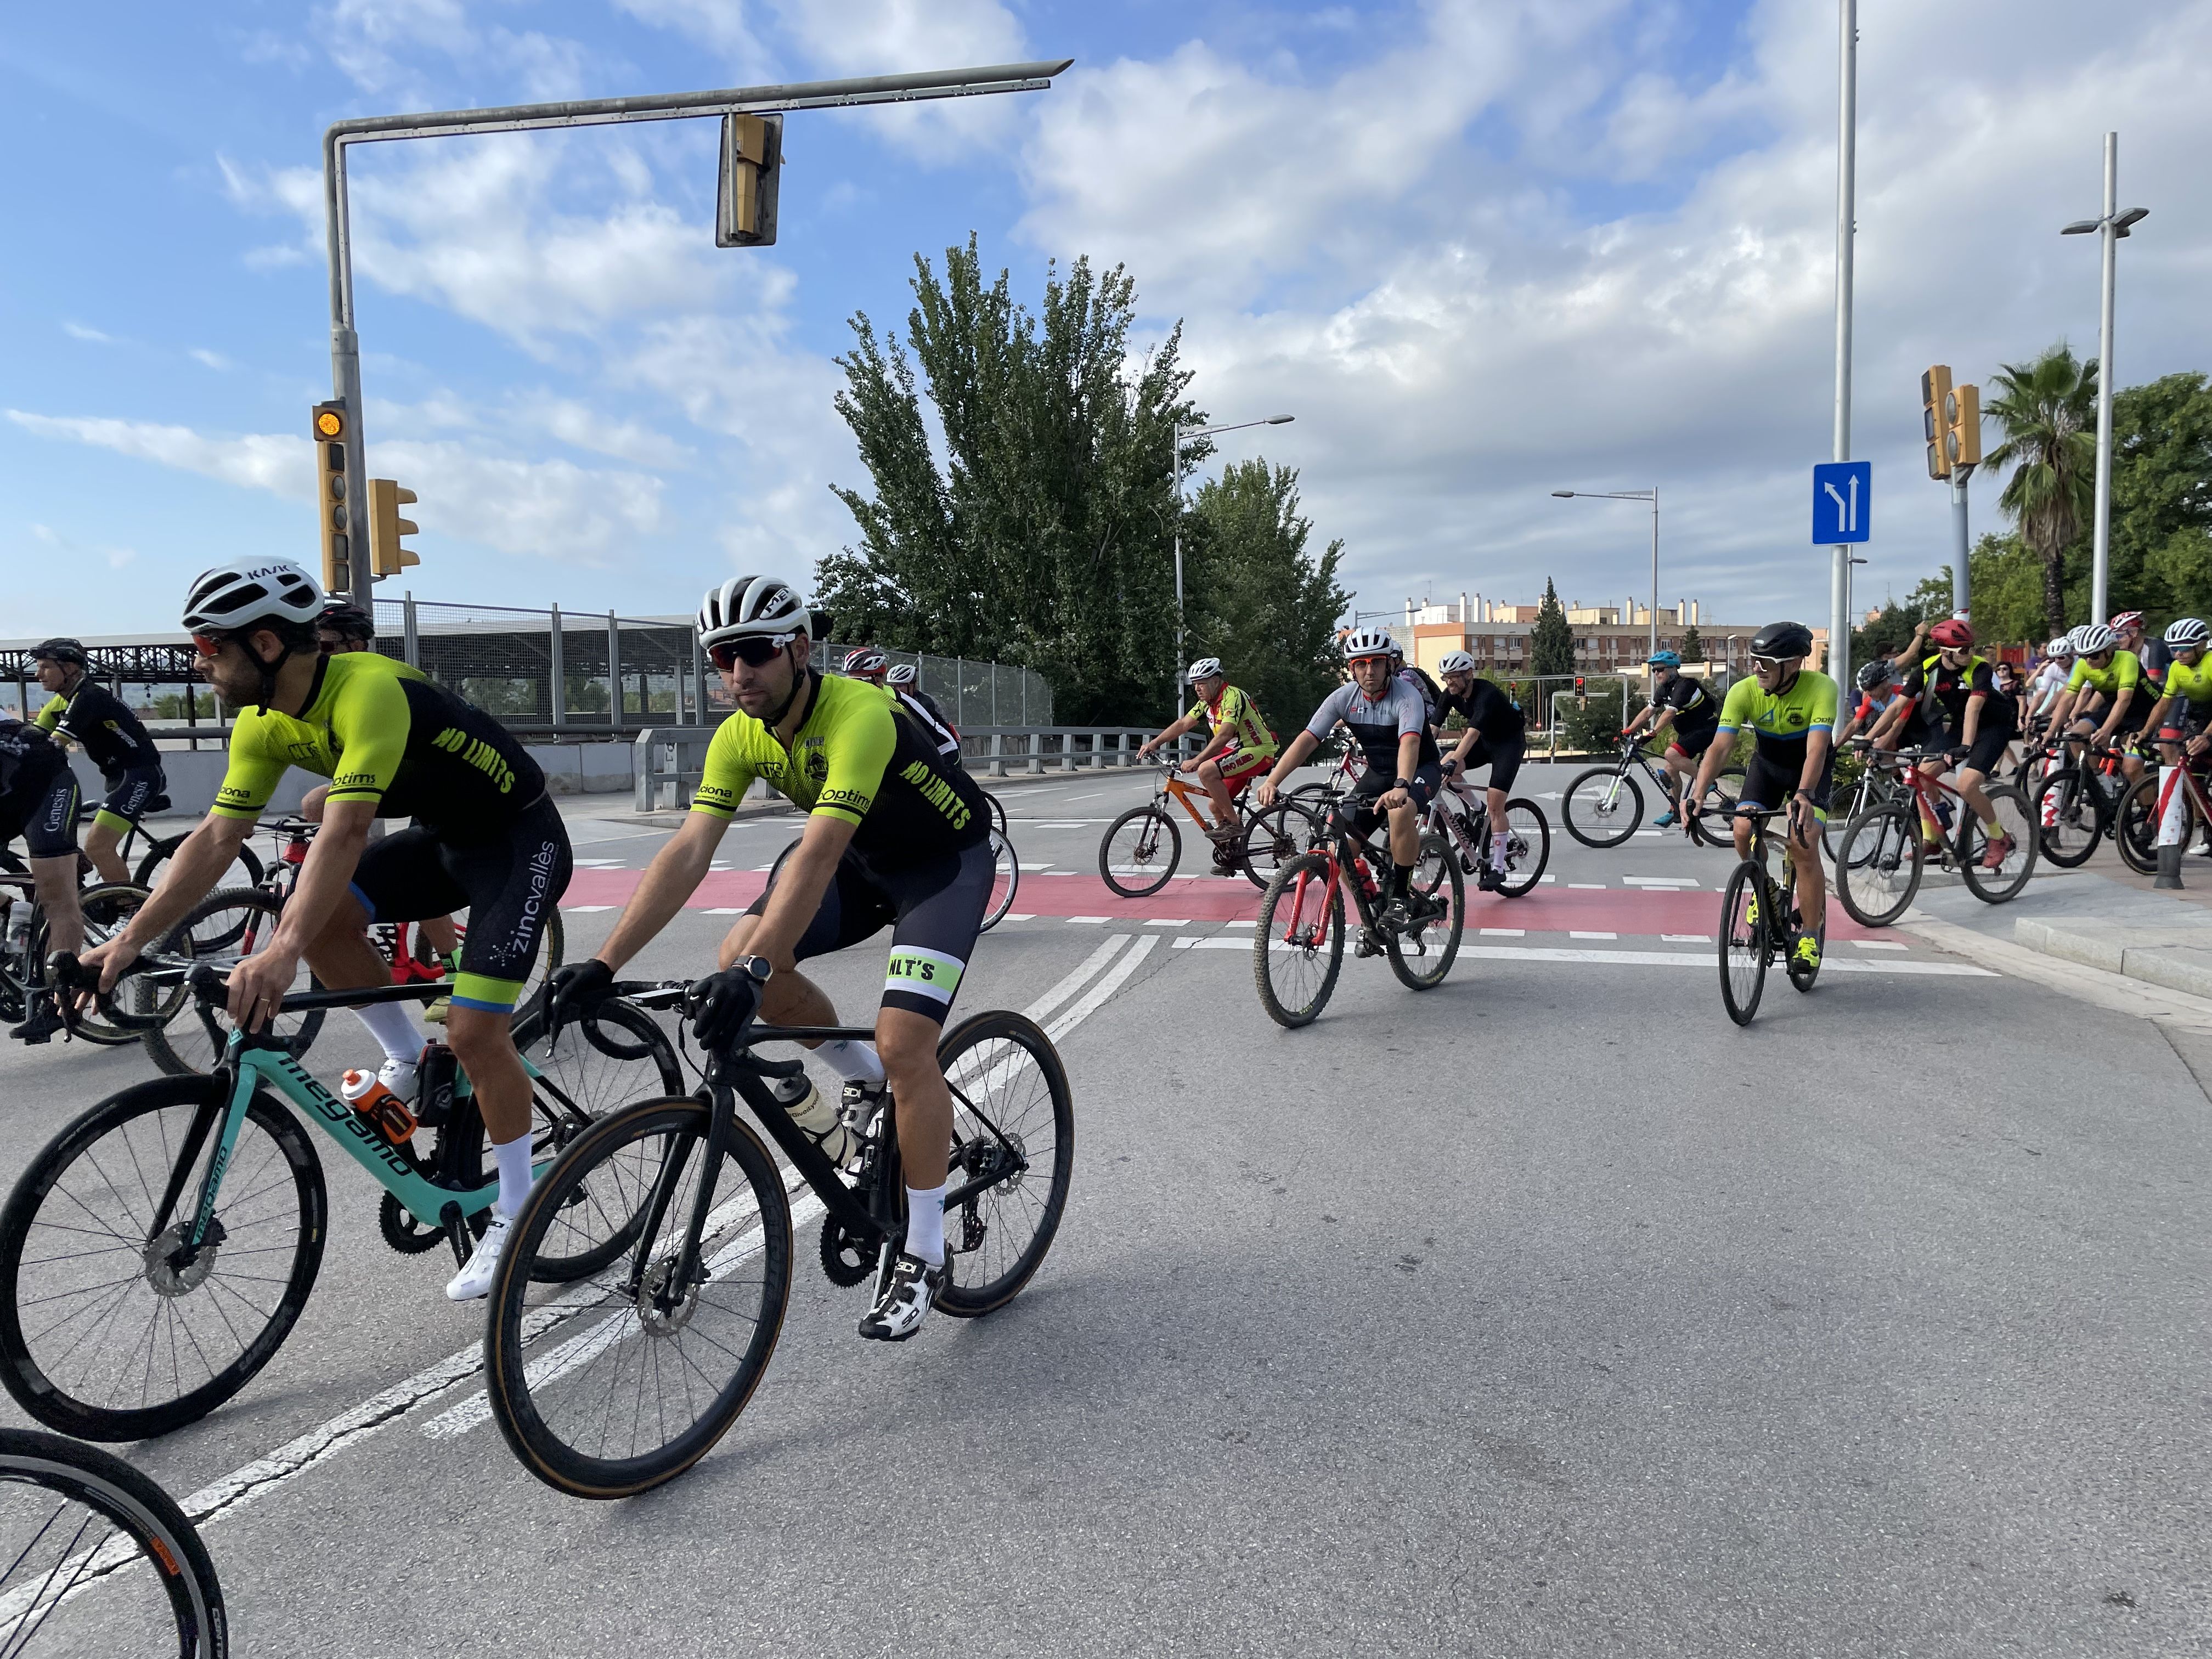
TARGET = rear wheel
x,y
1297,946
2064,809
552,944
1743,943
1422,955
2135,829
1006,877
1527,847
2014,822
1013,1157
222,930
1274,837
1603,807
1879,873
245,869
1140,852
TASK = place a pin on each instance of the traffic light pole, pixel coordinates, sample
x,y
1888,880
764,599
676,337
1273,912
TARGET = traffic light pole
x,y
1961,588
1840,575
345,342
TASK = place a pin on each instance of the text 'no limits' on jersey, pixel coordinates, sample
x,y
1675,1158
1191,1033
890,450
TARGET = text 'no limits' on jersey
x,y
855,757
382,731
1377,723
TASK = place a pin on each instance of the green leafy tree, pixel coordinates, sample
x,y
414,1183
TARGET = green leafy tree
x,y
2162,497
2047,411
1552,645
1045,537
1260,600
1693,645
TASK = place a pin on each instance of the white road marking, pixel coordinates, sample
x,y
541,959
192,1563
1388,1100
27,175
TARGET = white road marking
x,y
1036,867
1019,915
585,909
1075,982
1169,921
1116,977
1877,945
1572,934
1687,938
1661,881
1508,932
724,910
1685,959
1586,886
1089,921
1093,795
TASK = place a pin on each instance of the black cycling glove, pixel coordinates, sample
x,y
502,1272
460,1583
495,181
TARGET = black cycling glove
x,y
576,988
721,1005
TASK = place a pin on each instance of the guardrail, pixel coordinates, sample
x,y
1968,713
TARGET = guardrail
x,y
671,758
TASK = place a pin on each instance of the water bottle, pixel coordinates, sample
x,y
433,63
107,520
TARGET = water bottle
x,y
19,929
365,1092
1943,812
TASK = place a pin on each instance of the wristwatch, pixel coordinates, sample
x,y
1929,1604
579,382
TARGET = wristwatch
x,y
759,967
1403,783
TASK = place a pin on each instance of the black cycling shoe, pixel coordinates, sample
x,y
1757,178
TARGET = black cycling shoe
x,y
1491,878
906,1301
45,1020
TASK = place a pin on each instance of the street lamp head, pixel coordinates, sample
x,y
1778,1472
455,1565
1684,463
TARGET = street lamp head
x,y
1564,494
2082,227
2132,217
1280,420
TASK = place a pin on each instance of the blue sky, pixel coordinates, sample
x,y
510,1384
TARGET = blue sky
x,y
1481,250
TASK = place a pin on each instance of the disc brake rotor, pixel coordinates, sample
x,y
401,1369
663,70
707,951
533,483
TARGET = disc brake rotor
x,y
167,1277
657,1319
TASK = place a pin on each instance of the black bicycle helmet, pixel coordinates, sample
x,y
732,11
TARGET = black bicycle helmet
x,y
1876,673
348,621
61,650
1783,641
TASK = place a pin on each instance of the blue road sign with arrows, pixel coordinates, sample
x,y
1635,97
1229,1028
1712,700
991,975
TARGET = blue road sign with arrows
x,y
1843,503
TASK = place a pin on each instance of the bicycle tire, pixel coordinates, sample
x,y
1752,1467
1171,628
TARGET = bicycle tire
x,y
998,811
105,909
530,1355
1865,793
1319,920
162,1536
62,1403
1436,871
191,1044
2004,882
1274,836
2135,827
1137,870
1526,824
1609,823
246,864
1005,881
2058,808
1743,943
969,1068
1869,884
552,951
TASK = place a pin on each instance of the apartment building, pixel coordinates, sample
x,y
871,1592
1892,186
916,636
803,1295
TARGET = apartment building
x,y
1609,639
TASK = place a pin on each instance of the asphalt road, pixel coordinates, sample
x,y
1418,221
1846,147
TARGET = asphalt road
x,y
1547,1312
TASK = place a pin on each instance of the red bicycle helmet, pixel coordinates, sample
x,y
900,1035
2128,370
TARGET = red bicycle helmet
x,y
1952,635
2128,622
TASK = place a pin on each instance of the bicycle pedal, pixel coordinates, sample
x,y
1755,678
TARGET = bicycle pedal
x,y
1367,944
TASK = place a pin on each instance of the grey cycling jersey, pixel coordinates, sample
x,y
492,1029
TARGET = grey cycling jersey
x,y
1377,723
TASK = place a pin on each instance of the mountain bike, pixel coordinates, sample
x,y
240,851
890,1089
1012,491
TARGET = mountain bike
x,y
1760,922
1297,945
1885,849
1462,819
1140,849
157,1252
73,1519
627,1377
1604,807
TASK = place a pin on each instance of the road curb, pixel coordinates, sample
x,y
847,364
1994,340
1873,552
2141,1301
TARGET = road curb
x,y
2117,994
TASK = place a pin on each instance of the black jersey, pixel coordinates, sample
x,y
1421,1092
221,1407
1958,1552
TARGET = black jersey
x,y
1486,709
28,758
1696,708
101,724
1943,689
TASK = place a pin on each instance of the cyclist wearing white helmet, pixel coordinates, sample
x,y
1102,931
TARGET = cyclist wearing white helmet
x,y
904,684
2107,695
2049,680
394,744
1240,746
1496,737
1389,720
1686,705
2178,721
895,833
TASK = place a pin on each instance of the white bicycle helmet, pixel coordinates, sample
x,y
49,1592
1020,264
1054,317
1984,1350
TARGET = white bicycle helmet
x,y
1456,662
2187,633
1368,642
901,674
2090,638
247,591
756,607
1205,668
2061,646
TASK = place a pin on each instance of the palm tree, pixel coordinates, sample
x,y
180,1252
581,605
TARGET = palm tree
x,y
2047,410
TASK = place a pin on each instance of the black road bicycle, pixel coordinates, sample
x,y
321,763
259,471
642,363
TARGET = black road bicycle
x,y
1604,807
626,1377
1760,924
74,1520
25,939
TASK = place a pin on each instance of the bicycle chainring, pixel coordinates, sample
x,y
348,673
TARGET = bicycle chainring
x,y
403,1232
846,1258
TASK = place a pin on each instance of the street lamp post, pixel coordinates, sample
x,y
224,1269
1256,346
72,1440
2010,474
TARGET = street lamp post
x,y
2109,228
1184,434
1652,497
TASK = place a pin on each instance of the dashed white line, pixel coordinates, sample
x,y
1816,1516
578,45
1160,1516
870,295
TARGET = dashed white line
x,y
1687,938
1571,934
1089,921
1661,881
1877,945
1169,921
585,909
1586,886
1507,933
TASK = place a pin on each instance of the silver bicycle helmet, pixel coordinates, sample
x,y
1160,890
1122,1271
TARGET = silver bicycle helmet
x,y
2061,646
1205,668
901,674
1368,642
752,607
2187,633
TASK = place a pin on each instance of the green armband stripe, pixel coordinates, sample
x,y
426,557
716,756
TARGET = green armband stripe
x,y
497,996
925,972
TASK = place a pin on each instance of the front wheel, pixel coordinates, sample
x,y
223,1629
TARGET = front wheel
x,y
1996,885
222,930
1140,852
2135,829
623,1380
1527,847
109,1330
1297,946
2067,824
1602,807
1743,943
1879,873
1013,1157
1422,955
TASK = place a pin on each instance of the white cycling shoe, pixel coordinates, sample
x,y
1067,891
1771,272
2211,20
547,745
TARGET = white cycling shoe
x,y
473,1282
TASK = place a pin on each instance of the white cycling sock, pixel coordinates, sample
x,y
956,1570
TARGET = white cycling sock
x,y
857,1062
1497,850
392,1024
925,1223
514,1181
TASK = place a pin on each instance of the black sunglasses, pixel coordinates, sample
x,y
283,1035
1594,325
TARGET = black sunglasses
x,y
753,652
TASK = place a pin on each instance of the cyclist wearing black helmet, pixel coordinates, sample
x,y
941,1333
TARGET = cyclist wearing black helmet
x,y
101,724
1792,710
342,627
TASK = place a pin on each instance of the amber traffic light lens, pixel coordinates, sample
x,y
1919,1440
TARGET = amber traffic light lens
x,y
328,424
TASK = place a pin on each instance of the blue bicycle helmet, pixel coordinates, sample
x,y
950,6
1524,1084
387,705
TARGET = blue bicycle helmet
x,y
1664,659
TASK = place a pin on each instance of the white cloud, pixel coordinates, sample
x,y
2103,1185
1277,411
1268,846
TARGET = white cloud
x,y
581,427
79,331
283,466
113,557
214,360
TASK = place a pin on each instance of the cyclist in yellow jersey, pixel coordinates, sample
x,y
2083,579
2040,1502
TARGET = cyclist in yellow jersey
x,y
1791,709
895,834
2103,670
485,836
1239,749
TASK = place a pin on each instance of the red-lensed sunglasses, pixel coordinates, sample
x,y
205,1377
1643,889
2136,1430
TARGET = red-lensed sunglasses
x,y
753,652
208,645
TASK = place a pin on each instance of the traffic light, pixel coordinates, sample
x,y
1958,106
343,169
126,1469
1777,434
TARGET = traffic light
x,y
1935,419
329,427
1579,698
1962,426
387,556
752,163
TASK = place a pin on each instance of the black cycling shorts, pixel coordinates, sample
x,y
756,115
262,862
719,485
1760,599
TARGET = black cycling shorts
x,y
1357,812
510,885
1768,785
1501,755
129,793
1694,740
44,813
1988,750
934,910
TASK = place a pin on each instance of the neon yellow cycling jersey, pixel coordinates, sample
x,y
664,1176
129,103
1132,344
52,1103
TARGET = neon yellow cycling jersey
x,y
382,731
1235,709
1783,721
2192,685
858,758
2123,673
